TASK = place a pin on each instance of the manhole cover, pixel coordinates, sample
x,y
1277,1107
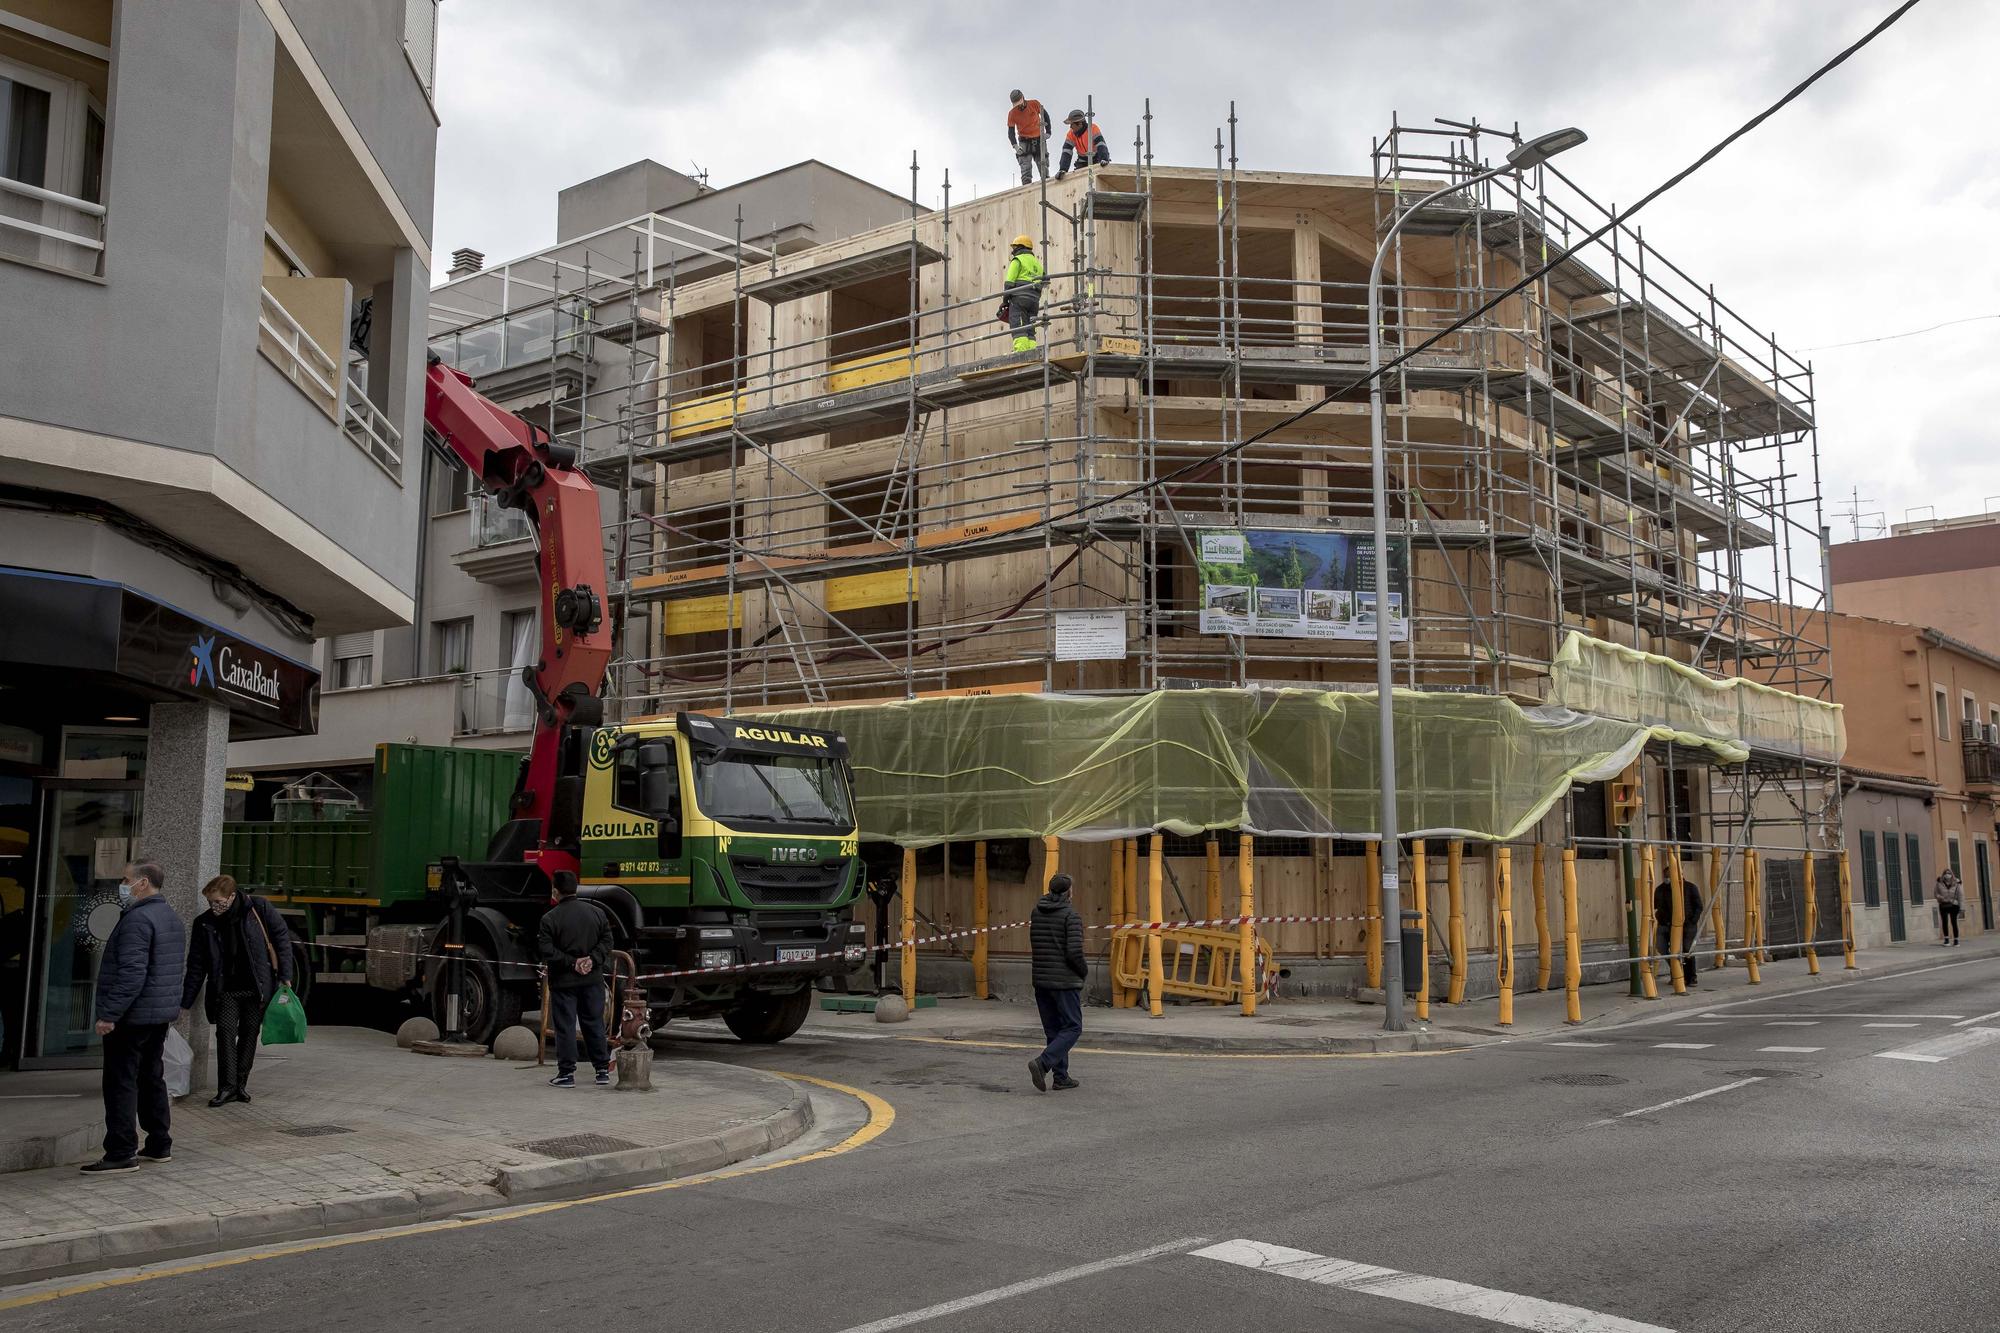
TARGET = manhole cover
x,y
577,1145
316,1131
1585,1080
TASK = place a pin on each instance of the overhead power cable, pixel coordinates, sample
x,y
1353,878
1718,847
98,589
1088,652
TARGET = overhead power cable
x,y
1892,337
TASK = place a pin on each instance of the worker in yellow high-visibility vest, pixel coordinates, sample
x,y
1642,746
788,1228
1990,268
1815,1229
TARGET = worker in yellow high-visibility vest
x,y
1022,292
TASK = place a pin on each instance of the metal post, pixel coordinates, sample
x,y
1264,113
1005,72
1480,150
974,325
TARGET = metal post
x,y
980,913
1117,920
1155,973
909,962
1246,930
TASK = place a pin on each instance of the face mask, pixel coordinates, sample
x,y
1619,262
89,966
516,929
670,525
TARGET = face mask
x,y
221,905
124,894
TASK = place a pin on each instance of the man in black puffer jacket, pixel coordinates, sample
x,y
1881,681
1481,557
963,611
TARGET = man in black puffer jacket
x,y
1056,933
576,950
138,994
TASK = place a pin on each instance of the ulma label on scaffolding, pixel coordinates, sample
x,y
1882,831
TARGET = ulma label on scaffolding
x,y
1288,583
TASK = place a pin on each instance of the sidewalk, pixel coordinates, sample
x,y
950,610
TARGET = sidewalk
x,y
1306,1027
349,1133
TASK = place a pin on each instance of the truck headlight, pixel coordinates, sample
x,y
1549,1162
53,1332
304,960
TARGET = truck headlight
x,y
857,929
717,957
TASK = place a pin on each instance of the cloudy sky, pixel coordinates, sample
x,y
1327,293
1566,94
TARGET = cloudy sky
x,y
1869,207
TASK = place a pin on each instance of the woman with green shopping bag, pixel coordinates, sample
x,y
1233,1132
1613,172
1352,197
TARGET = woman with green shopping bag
x,y
242,951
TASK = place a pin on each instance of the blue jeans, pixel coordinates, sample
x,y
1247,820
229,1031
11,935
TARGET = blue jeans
x,y
565,1012
1062,1024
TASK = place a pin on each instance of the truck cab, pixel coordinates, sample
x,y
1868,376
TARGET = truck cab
x,y
725,851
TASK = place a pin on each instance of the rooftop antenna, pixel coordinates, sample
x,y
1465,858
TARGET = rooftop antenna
x,y
700,174
1875,520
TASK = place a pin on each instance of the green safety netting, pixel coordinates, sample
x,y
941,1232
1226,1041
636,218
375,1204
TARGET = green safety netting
x,y
1610,680
1297,762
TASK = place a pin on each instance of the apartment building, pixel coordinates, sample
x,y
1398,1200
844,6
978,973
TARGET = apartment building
x,y
214,256
1933,571
539,337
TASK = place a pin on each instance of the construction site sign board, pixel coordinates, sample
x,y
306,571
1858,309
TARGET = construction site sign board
x,y
1090,636
1297,583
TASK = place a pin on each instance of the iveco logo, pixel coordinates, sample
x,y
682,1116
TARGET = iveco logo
x,y
778,855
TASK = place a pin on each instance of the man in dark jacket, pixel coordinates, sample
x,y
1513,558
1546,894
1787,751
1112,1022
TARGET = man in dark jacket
x,y
1056,934
576,949
138,993
243,951
1663,919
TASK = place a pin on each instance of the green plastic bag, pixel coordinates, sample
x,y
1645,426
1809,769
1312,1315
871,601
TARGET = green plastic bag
x,y
284,1019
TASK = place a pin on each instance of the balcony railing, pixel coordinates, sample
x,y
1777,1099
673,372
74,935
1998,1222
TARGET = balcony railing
x,y
512,341
494,525
372,432
50,228
1979,749
284,341
492,702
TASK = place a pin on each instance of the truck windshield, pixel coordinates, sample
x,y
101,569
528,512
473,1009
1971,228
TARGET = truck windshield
x,y
774,789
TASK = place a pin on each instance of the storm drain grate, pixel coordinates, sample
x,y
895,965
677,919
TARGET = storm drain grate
x,y
577,1145
1585,1080
1771,1073
316,1131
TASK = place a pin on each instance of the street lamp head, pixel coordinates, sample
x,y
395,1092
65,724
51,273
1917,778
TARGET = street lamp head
x,y
1543,147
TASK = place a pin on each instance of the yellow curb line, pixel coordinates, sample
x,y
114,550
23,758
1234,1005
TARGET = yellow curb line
x,y
881,1116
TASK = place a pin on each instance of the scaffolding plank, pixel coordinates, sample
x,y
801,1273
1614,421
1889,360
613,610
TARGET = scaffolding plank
x,y
1581,570
832,273
1532,393
1736,404
1621,476
1115,205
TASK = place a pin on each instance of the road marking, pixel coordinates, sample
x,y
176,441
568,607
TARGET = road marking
x,y
1788,1050
1715,1024
1837,1014
1014,1289
1580,1045
1683,1045
1893,1025
1979,1018
881,1116
1681,1101
1712,1010
1794,1023
1506,1308
1936,1050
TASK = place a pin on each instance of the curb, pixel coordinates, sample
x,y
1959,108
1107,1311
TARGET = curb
x,y
1169,1042
59,1254
60,1148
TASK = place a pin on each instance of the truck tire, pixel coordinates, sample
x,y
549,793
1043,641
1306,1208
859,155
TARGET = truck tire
x,y
302,975
768,1019
491,1006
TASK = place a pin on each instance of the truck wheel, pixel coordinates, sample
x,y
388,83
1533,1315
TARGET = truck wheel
x,y
490,1006
767,1019
302,976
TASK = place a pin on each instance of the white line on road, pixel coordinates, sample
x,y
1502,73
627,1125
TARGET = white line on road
x,y
1836,1014
1023,1288
1580,1045
1893,1025
1788,1050
1976,1019
1683,1045
1681,1101
1793,1023
1497,1307
1713,1024
1936,1050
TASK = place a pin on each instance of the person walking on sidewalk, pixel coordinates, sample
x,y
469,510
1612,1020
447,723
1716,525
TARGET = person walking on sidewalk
x,y
576,948
1663,917
138,982
241,950
1951,904
1028,130
1056,935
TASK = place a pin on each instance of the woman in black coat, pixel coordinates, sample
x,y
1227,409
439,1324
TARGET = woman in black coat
x,y
241,949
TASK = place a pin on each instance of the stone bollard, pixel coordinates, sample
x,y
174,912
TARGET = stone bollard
x,y
415,1030
891,1009
635,1069
516,1043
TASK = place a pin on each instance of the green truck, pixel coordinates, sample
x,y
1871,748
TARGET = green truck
x,y
724,852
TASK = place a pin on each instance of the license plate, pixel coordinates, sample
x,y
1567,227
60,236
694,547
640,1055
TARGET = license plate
x,y
802,955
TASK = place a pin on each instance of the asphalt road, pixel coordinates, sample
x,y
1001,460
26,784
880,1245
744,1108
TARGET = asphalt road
x,y
1816,1176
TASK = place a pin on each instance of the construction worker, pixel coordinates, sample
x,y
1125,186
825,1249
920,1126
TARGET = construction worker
x,y
1022,289
1028,129
1085,142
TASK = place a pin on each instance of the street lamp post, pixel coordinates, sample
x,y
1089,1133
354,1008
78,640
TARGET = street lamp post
x,y
1388,890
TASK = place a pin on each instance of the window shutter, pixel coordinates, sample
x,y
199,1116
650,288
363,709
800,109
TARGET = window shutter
x,y
354,645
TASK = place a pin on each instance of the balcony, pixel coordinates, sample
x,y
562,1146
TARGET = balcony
x,y
297,317
533,350
57,231
503,546
1979,751
492,703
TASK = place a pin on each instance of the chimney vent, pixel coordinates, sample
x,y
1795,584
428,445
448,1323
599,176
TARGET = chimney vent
x,y
465,262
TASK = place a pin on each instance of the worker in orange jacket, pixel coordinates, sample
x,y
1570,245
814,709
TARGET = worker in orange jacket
x,y
1084,143
1028,130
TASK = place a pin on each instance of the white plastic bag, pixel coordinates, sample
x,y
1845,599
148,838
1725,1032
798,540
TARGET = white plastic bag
x,y
177,1060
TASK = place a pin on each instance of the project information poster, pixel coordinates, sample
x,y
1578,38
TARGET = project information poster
x,y
1291,583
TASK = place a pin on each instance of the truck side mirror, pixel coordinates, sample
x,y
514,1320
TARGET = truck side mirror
x,y
659,790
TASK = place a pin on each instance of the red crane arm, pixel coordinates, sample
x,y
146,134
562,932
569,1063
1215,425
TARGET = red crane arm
x,y
526,471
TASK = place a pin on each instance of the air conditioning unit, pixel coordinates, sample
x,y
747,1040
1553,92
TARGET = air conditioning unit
x,y
1993,733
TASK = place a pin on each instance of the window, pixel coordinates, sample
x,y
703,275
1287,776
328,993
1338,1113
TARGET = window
x,y
518,646
51,143
352,673
454,646
1892,869
1871,885
626,790
1590,818
1951,852
24,132
450,486
420,23
1915,851
1941,706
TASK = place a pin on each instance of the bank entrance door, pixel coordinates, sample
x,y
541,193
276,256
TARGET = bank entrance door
x,y
87,831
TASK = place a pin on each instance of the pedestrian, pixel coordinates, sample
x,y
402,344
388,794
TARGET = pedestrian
x,y
1028,130
1056,936
138,984
242,951
1084,143
1663,917
1951,904
1021,290
576,949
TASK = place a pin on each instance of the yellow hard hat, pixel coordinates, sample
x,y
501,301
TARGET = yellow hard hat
x,y
1024,242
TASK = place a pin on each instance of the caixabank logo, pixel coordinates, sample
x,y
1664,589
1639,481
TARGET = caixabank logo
x,y
202,650
231,671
